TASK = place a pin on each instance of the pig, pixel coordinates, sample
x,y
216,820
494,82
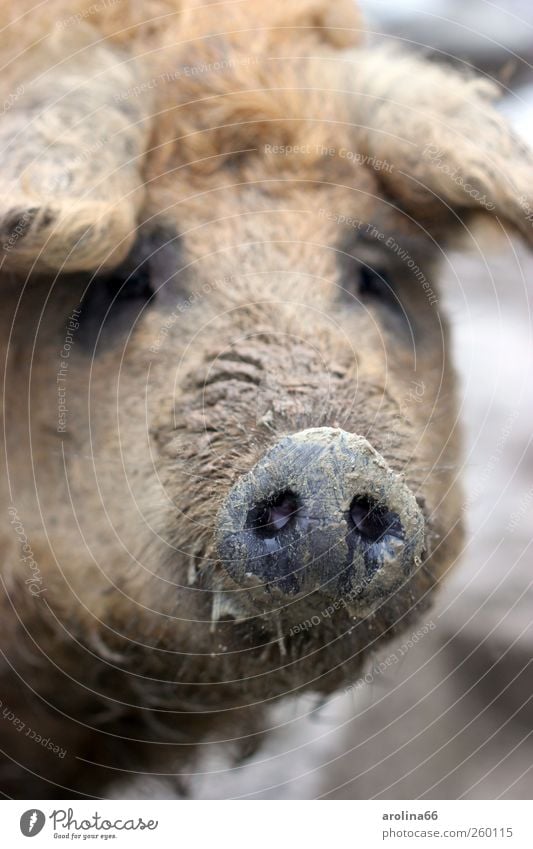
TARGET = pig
x,y
231,466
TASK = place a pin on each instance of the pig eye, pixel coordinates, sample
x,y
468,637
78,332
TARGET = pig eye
x,y
365,283
375,285
151,265
131,286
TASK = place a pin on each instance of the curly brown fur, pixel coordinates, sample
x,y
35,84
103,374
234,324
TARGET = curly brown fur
x,y
255,332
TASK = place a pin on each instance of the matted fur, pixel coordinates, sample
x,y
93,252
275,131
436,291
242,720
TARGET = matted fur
x,y
235,142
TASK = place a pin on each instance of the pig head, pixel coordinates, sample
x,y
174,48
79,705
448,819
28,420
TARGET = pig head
x,y
232,462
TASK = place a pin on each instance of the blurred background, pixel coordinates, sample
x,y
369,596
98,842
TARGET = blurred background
x,y
451,715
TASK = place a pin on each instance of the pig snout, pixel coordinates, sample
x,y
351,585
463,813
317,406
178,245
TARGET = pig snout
x,y
321,511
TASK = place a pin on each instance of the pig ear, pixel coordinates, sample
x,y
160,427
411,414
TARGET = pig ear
x,y
72,144
438,140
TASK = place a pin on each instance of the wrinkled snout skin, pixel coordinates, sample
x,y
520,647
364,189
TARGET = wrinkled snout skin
x,y
256,347
320,514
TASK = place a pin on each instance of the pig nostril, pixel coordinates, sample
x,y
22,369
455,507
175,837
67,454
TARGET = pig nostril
x,y
269,517
373,521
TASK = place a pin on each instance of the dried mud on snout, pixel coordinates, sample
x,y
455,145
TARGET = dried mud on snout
x,y
327,471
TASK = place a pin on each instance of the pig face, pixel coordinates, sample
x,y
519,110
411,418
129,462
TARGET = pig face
x,y
293,459
255,477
